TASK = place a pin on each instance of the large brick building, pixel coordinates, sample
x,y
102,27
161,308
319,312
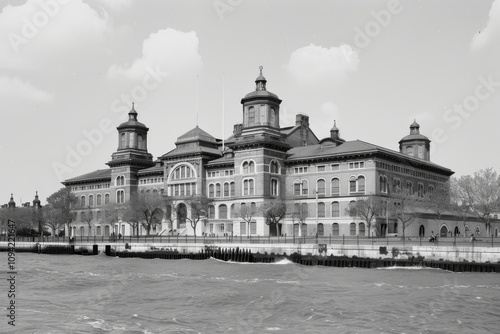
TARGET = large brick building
x,y
259,162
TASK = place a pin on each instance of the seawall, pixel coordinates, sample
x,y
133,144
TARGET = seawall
x,y
393,251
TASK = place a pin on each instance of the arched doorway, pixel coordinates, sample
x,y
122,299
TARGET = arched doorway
x,y
421,231
457,231
443,233
181,212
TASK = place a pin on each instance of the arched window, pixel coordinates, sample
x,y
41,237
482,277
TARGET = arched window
x,y
335,229
361,227
321,230
211,188
251,167
409,150
82,230
248,187
300,188
361,184
120,196
140,142
335,209
335,187
99,199
245,167
120,180
274,168
82,216
409,188
226,189
320,187
383,184
431,190
321,209
91,200
396,185
182,172
106,198
98,231
222,211
274,187
123,140
251,116
217,190
82,201
273,117
420,190
232,189
352,229
357,184
421,231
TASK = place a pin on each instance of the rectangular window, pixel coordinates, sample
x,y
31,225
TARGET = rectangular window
x,y
253,228
356,165
243,228
320,168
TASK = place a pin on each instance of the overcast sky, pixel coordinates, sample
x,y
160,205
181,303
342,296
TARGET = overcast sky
x,y
69,71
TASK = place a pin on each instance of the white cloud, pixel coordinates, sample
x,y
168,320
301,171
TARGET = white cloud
x,y
315,63
47,34
171,50
491,33
14,86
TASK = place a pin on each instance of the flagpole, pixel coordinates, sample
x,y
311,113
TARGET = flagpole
x,y
223,106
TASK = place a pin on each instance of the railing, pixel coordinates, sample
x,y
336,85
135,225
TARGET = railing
x,y
333,240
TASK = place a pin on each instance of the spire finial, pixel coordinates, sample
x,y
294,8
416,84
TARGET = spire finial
x,y
260,81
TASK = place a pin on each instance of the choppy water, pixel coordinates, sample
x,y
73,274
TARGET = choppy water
x,y
99,294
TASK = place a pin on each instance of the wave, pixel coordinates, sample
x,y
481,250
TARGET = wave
x,y
410,268
282,261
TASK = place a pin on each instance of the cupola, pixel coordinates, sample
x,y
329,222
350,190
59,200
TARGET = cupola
x,y
415,144
261,107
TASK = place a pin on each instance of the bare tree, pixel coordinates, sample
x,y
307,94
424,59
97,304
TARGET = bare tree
x,y
199,208
274,211
146,208
405,209
300,212
438,201
480,193
367,209
64,200
87,216
52,218
248,213
112,214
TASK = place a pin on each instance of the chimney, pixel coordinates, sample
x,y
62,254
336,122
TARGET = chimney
x,y
303,121
237,129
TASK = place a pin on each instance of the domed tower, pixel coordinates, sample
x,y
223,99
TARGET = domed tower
x,y
12,204
415,144
130,157
36,201
261,107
